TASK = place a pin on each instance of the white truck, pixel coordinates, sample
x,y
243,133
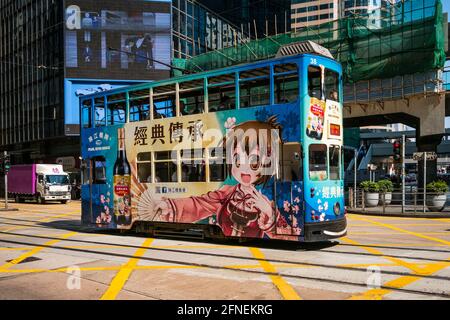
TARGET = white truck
x,y
40,182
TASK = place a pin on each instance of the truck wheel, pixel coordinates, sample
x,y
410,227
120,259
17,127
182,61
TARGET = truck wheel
x,y
40,200
17,199
64,201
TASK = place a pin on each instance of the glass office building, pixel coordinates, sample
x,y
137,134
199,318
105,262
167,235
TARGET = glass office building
x,y
54,51
267,17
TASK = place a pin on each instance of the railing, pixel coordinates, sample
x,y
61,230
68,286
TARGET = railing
x,y
396,88
414,200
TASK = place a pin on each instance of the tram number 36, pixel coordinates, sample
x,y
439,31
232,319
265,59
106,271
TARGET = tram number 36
x,y
313,61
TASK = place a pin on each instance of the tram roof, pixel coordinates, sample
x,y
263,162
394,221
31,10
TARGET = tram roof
x,y
234,68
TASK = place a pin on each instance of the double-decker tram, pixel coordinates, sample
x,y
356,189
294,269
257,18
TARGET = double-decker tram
x,y
250,151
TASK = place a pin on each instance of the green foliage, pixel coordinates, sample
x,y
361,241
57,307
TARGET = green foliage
x,y
385,185
439,187
369,186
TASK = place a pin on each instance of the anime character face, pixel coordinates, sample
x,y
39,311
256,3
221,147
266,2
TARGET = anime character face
x,y
253,152
246,168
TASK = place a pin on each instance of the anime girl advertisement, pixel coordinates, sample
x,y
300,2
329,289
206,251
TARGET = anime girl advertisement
x,y
239,208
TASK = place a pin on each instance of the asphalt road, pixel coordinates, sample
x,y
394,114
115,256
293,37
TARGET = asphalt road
x,y
45,254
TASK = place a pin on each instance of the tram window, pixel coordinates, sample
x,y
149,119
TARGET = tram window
x,y
318,162
99,116
332,85
222,92
314,82
193,167
165,167
254,87
164,105
192,100
144,167
334,162
254,93
99,170
217,165
139,109
222,98
117,113
86,115
85,167
286,83
292,162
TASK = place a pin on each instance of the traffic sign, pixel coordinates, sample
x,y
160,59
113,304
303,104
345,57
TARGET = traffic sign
x,y
419,156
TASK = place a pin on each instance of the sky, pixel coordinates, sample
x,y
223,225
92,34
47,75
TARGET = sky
x,y
446,6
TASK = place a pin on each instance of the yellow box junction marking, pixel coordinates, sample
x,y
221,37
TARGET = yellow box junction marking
x,y
285,288
35,250
125,271
422,269
416,234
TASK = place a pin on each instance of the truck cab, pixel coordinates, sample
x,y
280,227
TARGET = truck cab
x,y
52,183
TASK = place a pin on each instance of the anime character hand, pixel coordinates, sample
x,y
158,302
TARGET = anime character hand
x,y
267,216
164,210
230,123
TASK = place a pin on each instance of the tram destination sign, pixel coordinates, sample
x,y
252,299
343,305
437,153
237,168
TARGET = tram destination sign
x,y
417,156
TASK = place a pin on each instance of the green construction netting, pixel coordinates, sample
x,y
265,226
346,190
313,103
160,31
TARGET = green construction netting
x,y
397,39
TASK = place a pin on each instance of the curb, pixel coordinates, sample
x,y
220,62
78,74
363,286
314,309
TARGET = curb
x,y
432,215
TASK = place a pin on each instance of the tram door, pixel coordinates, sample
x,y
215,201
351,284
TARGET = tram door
x,y
289,187
93,192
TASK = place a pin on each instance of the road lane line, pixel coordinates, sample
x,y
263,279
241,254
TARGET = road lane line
x,y
419,269
125,271
377,294
416,234
410,266
36,250
49,219
285,288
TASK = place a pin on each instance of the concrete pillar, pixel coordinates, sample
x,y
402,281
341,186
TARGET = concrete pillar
x,y
427,144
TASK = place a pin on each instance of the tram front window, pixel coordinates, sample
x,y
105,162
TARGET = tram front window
x,y
314,82
332,85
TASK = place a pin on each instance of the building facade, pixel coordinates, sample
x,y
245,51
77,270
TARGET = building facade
x,y
256,18
309,13
54,51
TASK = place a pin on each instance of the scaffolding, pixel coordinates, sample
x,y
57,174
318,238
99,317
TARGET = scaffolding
x,y
395,39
